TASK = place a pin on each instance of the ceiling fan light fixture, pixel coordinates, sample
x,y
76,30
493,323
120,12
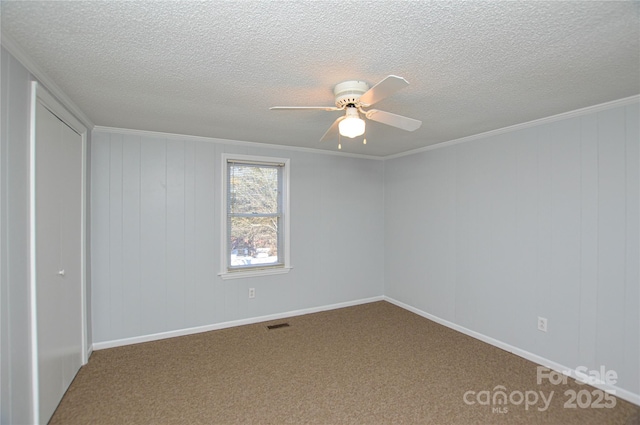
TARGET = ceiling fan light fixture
x,y
352,126
351,97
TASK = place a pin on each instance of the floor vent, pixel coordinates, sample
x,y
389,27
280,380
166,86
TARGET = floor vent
x,y
278,326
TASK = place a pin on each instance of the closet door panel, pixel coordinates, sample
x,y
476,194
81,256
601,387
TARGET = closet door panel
x,y
48,279
58,257
70,251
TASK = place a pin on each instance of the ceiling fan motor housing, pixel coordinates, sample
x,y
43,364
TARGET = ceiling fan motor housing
x,y
349,92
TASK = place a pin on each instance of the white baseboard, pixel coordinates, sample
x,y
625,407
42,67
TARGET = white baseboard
x,y
189,331
619,392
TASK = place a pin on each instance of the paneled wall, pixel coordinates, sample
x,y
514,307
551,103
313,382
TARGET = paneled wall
x,y
15,378
541,221
156,235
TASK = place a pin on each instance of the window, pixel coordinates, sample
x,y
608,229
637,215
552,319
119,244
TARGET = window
x,y
255,216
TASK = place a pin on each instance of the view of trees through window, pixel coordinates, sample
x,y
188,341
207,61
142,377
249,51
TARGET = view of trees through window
x,y
254,214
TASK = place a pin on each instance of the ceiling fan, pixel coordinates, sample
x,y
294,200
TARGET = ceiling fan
x,y
353,97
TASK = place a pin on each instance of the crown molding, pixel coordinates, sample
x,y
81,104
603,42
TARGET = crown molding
x,y
562,116
186,137
17,52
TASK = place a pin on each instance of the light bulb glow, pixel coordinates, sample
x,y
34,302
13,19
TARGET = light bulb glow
x,y
352,126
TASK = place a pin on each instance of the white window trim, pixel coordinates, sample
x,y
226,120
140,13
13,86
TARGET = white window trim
x,y
224,259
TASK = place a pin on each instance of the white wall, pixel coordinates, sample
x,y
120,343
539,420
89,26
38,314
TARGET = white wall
x,y
15,378
156,227
541,221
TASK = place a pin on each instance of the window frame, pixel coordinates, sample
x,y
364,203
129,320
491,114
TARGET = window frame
x,y
284,266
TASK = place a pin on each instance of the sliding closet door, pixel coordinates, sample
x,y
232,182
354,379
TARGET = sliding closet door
x,y
58,257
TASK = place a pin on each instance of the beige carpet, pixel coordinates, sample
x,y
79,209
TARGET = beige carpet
x,y
368,364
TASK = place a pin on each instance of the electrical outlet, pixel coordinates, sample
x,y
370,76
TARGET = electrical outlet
x,y
542,324
252,292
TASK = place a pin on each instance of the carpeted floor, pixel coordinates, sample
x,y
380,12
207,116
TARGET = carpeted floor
x,y
369,364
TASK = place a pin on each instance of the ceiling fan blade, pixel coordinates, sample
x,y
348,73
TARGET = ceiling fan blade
x,y
308,108
384,88
333,130
394,120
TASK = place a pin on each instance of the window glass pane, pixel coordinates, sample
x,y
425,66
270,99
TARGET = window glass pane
x,y
254,240
253,189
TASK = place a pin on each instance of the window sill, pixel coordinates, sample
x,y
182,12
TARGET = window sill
x,y
254,273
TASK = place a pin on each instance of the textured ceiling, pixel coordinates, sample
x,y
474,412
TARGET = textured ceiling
x,y
214,68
